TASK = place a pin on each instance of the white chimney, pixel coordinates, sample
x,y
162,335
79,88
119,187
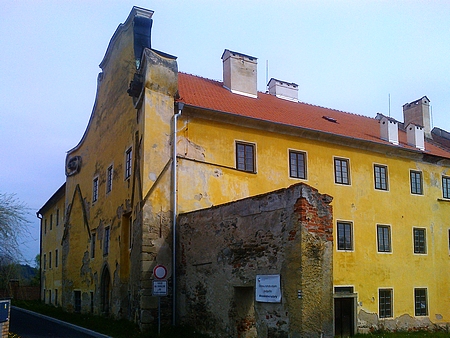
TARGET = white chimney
x,y
415,136
283,90
239,73
389,129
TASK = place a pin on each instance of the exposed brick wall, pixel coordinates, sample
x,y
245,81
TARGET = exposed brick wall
x,y
289,233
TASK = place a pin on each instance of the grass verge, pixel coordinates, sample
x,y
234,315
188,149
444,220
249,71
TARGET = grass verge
x,y
114,328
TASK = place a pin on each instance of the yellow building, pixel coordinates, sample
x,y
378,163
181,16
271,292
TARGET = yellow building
x,y
52,228
160,143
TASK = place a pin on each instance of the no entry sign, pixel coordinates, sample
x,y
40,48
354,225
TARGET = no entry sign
x,y
160,272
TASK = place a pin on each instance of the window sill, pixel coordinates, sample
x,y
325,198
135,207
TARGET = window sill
x,y
443,200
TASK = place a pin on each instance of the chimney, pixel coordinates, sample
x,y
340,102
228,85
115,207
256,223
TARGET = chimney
x,y
418,112
389,129
283,90
239,73
415,136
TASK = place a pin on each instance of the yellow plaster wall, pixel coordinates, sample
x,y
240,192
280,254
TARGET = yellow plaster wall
x,y
211,180
109,134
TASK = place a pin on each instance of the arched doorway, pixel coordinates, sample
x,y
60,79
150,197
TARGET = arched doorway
x,y
105,290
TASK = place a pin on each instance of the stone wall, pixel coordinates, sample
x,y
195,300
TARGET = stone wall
x,y
222,249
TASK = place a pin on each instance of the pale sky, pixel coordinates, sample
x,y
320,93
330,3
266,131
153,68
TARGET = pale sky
x,y
346,55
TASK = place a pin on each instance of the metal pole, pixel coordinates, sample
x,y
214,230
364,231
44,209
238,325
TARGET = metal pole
x,y
174,211
159,315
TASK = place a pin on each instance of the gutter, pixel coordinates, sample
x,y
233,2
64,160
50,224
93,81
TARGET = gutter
x,y
180,106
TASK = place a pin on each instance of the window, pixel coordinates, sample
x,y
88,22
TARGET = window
x,y
45,261
50,260
49,296
56,258
92,302
420,302
416,182
245,157
341,171
345,238
95,190
106,241
56,297
385,303
93,245
449,239
57,217
380,173
130,232
109,179
446,187
384,238
297,164
45,226
420,246
77,298
51,221
128,158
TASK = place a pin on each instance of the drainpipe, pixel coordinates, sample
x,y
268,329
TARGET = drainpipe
x,y
40,216
174,210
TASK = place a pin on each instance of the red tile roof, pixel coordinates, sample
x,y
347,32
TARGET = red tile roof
x,y
210,94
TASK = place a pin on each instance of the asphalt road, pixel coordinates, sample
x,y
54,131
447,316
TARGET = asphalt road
x,y
30,326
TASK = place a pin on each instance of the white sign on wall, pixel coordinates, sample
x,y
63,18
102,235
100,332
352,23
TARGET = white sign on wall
x,y
268,288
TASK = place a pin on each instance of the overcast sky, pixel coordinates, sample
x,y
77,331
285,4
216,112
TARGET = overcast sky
x,y
347,55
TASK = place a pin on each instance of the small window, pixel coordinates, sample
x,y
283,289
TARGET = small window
x,y
109,179
92,301
128,159
416,182
93,245
45,261
449,240
297,164
385,303
384,238
56,297
341,171
56,258
57,217
420,302
95,190
106,241
45,226
245,157
130,232
77,299
345,236
51,221
50,260
446,187
380,174
420,245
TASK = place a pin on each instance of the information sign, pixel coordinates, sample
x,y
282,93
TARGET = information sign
x,y
268,289
159,287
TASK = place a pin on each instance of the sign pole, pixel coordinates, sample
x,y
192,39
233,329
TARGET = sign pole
x,y
159,315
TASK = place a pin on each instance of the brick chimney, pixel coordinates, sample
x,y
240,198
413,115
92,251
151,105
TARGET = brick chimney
x,y
239,73
418,112
283,90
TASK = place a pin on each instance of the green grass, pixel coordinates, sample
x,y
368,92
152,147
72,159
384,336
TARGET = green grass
x,y
114,328
416,334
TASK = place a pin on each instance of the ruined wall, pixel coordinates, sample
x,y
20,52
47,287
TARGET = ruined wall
x,y
221,250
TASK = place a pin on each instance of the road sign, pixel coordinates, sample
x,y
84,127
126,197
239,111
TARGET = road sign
x,y
159,287
160,272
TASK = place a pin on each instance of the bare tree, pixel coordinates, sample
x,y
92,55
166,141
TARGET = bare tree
x,y
14,227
